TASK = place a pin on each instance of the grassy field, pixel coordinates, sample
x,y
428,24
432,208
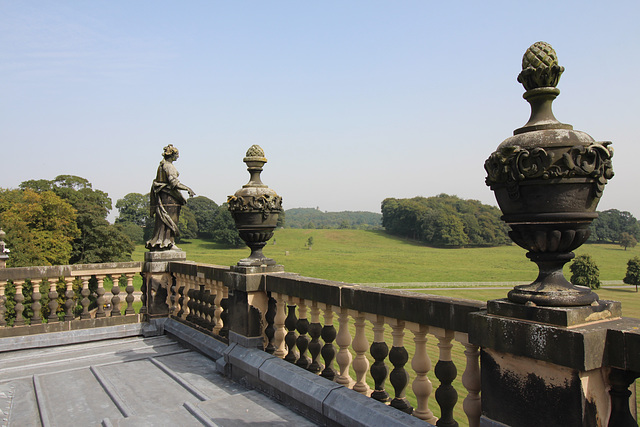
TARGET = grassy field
x,y
359,256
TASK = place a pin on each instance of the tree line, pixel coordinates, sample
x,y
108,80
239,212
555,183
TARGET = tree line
x,y
60,221
445,221
315,218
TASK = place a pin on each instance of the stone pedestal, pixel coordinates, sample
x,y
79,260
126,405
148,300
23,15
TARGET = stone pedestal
x,y
158,281
248,303
544,365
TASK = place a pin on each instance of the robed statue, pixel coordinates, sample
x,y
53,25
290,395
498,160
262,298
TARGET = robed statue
x,y
166,200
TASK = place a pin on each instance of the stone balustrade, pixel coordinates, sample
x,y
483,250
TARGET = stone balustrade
x,y
346,333
77,306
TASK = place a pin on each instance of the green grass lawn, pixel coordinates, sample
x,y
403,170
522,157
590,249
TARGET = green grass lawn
x,y
360,256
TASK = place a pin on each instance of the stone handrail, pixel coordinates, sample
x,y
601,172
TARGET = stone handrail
x,y
66,275
291,329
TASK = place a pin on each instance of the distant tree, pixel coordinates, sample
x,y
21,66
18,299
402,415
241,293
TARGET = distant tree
x,y
314,218
134,232
610,225
627,240
40,227
187,225
134,208
224,228
585,272
205,211
310,242
444,220
633,272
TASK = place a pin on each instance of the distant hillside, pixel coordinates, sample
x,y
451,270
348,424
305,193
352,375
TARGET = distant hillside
x,y
315,218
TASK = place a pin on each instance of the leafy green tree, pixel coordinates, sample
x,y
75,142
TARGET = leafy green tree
x,y
205,211
444,220
627,240
610,225
134,232
187,224
633,272
134,208
585,272
225,231
40,227
310,242
99,241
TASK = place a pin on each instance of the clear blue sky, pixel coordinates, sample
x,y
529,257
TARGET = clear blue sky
x,y
352,101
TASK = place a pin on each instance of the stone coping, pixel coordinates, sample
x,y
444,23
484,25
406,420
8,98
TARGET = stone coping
x,y
55,271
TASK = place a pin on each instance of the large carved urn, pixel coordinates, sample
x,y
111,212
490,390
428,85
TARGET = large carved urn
x,y
548,179
255,209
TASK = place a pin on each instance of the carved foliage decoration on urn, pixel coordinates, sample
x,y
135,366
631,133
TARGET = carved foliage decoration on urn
x,y
513,164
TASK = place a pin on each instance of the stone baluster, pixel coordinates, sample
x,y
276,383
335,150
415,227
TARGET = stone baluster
x,y
85,298
53,303
187,298
379,351
278,322
302,342
217,322
36,306
143,290
191,303
202,302
115,299
360,362
446,372
315,329
211,304
224,315
172,296
100,301
343,339
184,298
129,298
69,302
180,285
270,330
421,365
3,307
328,334
19,299
471,380
290,338
620,414
399,377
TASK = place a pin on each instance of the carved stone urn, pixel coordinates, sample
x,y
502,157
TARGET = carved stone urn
x,y
548,179
255,209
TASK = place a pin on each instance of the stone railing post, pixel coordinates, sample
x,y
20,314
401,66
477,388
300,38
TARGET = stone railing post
x,y
248,304
158,280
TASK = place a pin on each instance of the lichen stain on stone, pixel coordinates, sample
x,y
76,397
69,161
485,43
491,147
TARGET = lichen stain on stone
x,y
604,314
522,370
